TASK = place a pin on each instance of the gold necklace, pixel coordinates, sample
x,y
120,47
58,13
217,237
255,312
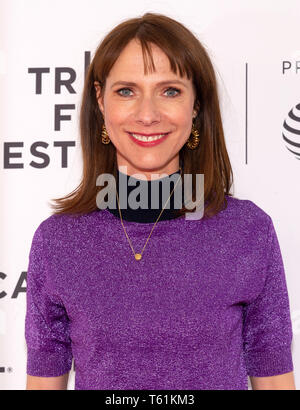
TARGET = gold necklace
x,y
138,256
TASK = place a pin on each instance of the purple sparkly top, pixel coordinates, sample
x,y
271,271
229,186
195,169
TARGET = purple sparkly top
x,y
206,305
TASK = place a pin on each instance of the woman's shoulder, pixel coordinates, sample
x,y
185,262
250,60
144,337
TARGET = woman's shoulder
x,y
57,225
246,212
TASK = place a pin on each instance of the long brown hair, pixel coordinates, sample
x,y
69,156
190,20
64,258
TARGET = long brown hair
x,y
186,54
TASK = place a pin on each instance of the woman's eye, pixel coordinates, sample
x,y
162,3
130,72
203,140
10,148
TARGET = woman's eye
x,y
173,89
122,89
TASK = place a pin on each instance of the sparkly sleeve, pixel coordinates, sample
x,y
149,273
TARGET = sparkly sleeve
x,y
46,322
267,327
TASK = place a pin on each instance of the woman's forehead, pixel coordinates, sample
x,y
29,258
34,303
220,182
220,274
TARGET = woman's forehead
x,y
130,66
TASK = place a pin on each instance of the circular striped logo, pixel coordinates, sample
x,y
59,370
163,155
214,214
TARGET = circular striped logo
x,y
291,131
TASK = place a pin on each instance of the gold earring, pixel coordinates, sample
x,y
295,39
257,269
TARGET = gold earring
x,y
193,142
104,135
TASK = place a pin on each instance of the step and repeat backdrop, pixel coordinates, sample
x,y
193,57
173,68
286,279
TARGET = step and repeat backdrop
x,y
45,49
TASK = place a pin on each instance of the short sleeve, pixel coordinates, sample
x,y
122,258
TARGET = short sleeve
x,y
47,336
267,327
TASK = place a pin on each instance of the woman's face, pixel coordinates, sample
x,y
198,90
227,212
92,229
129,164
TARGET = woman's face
x,y
144,107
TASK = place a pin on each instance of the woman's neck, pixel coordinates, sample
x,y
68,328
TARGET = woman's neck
x,y
154,190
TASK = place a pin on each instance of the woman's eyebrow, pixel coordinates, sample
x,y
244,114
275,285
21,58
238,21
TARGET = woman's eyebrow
x,y
132,84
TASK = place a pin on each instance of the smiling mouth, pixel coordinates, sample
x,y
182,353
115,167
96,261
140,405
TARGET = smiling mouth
x,y
149,138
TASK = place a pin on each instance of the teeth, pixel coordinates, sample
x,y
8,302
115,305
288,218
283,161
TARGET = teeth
x,y
144,138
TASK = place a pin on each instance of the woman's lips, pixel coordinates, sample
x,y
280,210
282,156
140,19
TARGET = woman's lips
x,y
148,143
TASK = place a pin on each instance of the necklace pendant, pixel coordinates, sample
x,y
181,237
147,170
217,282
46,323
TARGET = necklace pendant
x,y
138,256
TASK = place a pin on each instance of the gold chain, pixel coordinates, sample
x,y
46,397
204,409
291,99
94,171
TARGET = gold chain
x,y
138,256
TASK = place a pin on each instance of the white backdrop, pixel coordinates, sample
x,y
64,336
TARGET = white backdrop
x,y
255,49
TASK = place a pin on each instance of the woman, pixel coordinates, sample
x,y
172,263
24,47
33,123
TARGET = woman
x,y
146,298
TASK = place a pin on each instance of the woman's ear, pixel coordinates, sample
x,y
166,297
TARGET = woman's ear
x,y
99,97
196,108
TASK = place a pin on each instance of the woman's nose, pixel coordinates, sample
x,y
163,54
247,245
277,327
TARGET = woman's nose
x,y
147,110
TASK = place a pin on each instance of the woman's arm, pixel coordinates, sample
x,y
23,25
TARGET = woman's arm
x,y
47,383
281,382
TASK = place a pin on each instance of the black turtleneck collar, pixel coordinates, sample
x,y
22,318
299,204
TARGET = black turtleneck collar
x,y
148,215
